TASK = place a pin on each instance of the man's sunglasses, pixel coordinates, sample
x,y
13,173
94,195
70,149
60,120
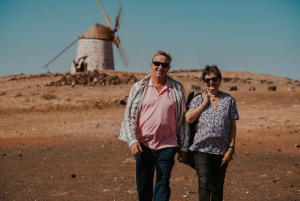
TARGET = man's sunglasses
x,y
164,65
214,79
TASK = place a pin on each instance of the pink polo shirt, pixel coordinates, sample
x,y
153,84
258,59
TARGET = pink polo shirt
x,y
157,122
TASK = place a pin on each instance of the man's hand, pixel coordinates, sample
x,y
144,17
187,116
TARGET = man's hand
x,y
182,155
136,148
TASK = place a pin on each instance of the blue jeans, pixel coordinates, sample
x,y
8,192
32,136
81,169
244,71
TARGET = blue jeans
x,y
211,176
162,161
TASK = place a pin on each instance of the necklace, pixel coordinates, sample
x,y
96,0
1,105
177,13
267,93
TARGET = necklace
x,y
214,98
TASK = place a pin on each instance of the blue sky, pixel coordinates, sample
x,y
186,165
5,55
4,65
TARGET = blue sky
x,y
261,36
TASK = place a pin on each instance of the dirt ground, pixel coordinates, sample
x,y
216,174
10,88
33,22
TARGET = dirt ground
x,y
61,143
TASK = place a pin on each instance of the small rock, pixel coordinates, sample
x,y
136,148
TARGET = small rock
x,y
129,160
73,175
232,88
122,102
131,191
251,88
195,87
272,88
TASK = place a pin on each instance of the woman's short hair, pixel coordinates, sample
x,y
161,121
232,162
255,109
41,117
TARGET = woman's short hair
x,y
159,52
211,69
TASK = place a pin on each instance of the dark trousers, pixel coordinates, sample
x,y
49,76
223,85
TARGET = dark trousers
x,y
211,176
162,161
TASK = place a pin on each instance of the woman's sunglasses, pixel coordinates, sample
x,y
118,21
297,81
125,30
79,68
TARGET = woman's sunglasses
x,y
164,65
214,79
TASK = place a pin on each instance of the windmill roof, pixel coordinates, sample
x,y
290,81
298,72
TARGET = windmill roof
x,y
98,31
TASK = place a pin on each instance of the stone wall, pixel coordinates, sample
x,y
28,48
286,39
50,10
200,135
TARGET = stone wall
x,y
99,52
95,78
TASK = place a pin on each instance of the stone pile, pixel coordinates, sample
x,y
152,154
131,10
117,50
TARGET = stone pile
x,y
248,80
258,81
23,77
94,78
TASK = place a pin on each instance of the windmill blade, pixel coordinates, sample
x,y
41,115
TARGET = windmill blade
x,y
124,57
117,41
104,14
117,19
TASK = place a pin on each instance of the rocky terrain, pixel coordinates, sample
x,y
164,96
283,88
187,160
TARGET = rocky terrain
x,y
58,138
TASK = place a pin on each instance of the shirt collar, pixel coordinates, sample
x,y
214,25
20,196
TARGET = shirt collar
x,y
168,83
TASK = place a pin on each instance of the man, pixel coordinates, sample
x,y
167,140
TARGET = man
x,y
153,125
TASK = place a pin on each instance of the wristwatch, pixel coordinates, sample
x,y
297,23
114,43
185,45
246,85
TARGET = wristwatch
x,y
232,147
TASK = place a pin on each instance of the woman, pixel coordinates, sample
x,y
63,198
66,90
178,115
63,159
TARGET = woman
x,y
215,114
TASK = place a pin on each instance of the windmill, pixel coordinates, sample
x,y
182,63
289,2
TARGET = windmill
x,y
96,46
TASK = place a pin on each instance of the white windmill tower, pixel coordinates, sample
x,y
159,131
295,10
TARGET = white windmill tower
x,y
95,46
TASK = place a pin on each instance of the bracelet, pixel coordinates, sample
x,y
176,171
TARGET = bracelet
x,y
232,147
